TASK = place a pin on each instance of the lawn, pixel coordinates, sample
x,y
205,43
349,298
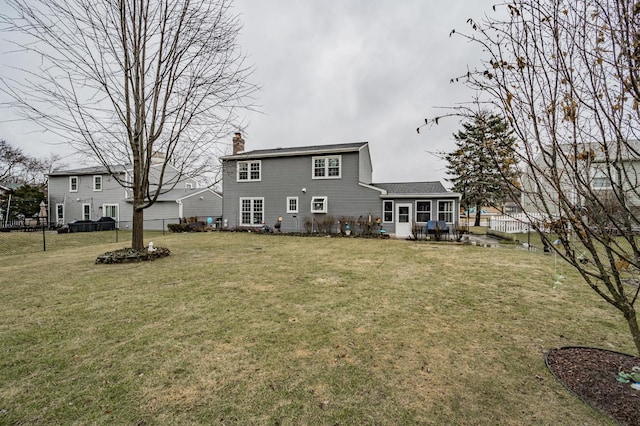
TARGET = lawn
x,y
264,329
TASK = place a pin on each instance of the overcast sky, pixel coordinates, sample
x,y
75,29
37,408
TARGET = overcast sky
x,y
347,71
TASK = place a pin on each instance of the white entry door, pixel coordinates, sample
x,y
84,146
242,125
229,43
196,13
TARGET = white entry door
x,y
403,220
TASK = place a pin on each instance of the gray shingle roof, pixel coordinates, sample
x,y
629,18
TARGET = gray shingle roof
x,y
300,150
92,170
412,187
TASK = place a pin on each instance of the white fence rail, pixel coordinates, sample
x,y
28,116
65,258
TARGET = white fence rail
x,y
517,223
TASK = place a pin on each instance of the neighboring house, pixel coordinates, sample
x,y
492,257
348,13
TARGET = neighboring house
x,y
587,166
316,183
91,193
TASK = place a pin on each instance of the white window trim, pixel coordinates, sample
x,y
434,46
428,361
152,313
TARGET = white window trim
x,y
430,209
289,204
71,179
117,206
248,163
600,174
90,212
97,177
252,199
325,203
393,206
188,185
326,167
453,208
59,220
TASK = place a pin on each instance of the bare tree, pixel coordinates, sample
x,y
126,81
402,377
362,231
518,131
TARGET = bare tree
x,y
18,167
152,84
567,77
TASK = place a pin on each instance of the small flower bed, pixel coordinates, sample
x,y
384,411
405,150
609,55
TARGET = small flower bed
x,y
127,255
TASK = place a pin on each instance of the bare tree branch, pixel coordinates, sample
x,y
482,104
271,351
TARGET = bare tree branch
x,y
128,81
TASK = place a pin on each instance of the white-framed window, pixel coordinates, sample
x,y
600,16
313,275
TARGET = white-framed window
x,y
110,210
59,213
188,185
423,211
292,204
319,204
97,183
251,211
600,180
326,167
249,171
73,183
86,211
387,211
445,211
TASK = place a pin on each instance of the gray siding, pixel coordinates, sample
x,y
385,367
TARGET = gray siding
x,y
156,217
209,206
365,167
283,177
59,193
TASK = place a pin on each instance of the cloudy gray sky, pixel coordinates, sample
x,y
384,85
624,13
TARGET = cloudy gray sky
x,y
346,71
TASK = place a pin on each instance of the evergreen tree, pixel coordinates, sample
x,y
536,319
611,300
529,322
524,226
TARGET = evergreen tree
x,y
25,201
483,164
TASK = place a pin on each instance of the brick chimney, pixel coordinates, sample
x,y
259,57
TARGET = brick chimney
x,y
238,143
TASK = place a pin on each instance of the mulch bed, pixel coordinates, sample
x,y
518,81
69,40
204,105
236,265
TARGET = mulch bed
x,y
591,374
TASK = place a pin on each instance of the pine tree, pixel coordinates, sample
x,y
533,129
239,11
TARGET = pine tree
x,y
484,163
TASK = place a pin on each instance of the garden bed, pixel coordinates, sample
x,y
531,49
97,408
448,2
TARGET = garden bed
x,y
591,374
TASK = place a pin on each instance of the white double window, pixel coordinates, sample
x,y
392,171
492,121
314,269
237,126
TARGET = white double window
x,y
445,211
326,167
249,171
110,210
600,180
251,211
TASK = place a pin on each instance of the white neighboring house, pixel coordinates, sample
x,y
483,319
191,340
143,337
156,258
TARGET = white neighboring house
x,y
588,166
90,193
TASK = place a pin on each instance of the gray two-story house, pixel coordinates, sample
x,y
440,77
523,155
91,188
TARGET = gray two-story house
x,y
302,185
92,192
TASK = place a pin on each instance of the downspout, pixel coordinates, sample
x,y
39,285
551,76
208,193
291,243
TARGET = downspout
x,y
180,210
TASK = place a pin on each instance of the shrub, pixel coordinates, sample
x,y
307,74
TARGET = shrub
x,y
179,227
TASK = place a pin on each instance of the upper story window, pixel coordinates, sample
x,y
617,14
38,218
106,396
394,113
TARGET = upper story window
x,y
387,211
319,205
97,183
327,167
249,171
600,180
73,183
188,185
423,211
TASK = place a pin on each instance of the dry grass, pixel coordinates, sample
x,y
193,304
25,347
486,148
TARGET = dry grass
x,y
258,329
